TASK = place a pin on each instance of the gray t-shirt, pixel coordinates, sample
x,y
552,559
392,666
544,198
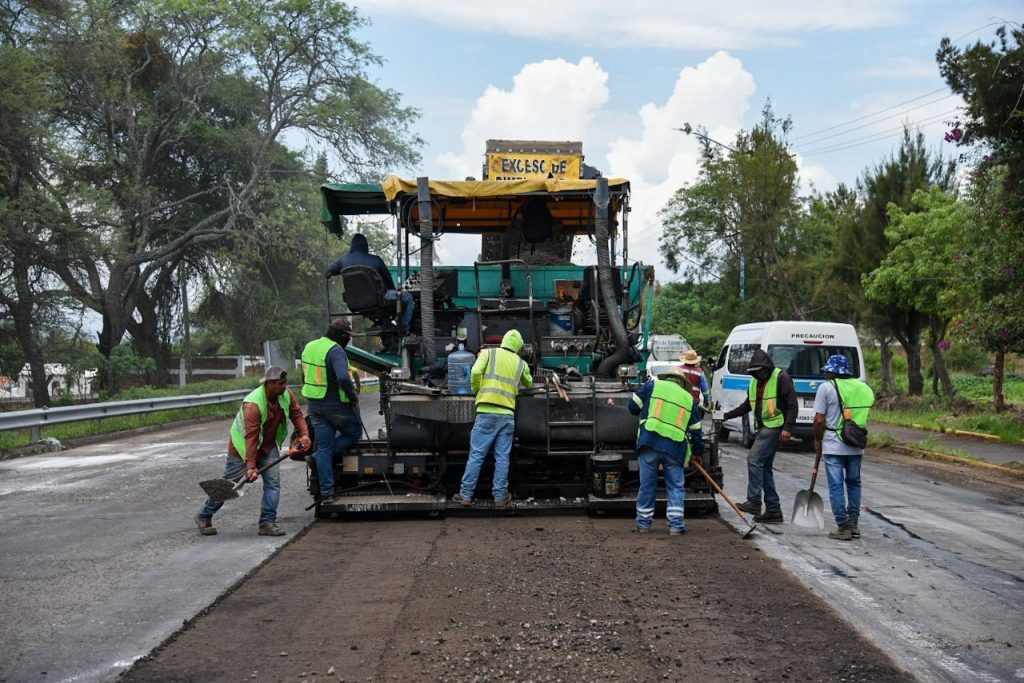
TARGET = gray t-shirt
x,y
826,402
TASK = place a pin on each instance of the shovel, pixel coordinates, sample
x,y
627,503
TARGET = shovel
x,y
714,484
807,506
220,490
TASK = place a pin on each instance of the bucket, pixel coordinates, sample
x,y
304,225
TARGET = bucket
x,y
560,323
606,474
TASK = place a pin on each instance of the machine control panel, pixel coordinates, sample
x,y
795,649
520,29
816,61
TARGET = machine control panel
x,y
558,346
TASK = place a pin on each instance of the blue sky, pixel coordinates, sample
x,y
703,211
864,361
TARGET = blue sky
x,y
619,76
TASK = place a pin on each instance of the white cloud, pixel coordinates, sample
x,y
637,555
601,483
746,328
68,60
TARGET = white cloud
x,y
549,100
715,94
726,24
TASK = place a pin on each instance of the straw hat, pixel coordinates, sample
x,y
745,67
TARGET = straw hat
x,y
689,357
672,371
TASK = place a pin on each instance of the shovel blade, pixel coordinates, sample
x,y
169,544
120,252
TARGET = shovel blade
x,y
220,490
807,510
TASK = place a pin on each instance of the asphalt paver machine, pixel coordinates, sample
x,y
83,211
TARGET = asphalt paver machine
x,y
575,438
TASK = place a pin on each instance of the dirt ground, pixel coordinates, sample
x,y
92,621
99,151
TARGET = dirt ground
x,y
554,598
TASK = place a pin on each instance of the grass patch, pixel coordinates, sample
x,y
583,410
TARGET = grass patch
x,y
962,414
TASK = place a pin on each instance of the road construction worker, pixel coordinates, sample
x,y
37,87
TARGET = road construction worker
x,y
256,435
698,380
842,398
772,398
495,379
332,399
669,434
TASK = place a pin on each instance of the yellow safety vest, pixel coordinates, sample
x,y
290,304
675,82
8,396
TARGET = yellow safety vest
x,y
499,384
771,416
314,369
259,397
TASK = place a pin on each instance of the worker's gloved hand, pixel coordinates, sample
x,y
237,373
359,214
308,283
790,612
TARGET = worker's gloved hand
x,y
697,459
251,474
785,436
303,443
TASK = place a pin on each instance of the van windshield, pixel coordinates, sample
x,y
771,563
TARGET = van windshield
x,y
801,361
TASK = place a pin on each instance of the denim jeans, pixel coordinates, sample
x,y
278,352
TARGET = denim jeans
x,y
674,480
759,469
235,468
408,303
838,468
489,429
335,432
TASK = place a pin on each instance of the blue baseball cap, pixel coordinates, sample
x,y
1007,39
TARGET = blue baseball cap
x,y
838,365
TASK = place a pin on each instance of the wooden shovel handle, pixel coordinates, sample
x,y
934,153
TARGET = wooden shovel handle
x,y
719,489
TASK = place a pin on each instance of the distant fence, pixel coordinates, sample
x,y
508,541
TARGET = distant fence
x,y
36,419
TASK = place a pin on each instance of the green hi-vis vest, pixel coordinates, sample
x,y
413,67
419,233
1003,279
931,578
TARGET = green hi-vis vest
x,y
668,412
771,416
259,397
857,400
314,369
499,384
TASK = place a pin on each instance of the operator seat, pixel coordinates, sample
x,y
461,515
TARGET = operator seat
x,y
364,292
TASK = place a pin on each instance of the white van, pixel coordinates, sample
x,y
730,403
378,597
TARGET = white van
x,y
799,348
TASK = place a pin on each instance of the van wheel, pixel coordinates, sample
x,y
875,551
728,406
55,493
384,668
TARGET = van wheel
x,y
723,434
748,433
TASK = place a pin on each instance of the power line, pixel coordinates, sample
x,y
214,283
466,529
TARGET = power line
x,y
857,142
884,118
866,116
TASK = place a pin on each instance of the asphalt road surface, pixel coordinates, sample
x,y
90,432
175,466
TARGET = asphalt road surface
x,y
937,578
101,562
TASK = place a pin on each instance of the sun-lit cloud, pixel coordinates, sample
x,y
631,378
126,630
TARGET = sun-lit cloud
x,y
727,24
716,95
549,100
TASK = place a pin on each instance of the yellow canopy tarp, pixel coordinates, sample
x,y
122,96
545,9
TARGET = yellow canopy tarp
x,y
480,189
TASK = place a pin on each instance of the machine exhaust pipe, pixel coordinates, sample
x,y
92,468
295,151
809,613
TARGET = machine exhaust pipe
x,y
606,284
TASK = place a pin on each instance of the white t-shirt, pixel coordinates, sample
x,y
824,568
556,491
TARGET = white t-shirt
x,y
826,402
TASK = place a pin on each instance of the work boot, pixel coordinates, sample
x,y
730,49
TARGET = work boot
x,y
642,530
464,502
843,533
676,532
329,500
271,530
773,517
503,502
854,529
206,527
750,507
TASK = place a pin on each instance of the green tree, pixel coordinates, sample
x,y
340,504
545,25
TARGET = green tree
x,y
862,243
740,222
689,309
917,272
146,85
988,288
989,76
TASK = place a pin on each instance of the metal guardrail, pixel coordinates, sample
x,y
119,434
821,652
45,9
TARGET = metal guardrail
x,y
38,418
